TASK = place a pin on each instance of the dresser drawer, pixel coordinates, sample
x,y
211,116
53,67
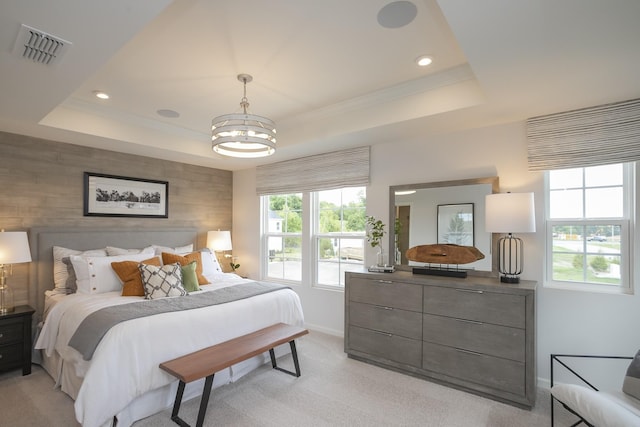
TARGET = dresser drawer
x,y
474,304
386,319
11,331
481,369
386,293
388,346
10,355
494,340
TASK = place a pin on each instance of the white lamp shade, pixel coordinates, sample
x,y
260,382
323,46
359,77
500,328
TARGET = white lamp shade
x,y
219,240
14,247
510,213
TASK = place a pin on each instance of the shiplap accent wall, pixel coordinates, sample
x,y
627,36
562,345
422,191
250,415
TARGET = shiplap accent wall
x,y
41,184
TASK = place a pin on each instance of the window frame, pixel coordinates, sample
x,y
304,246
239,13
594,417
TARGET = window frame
x,y
316,235
310,238
265,234
627,237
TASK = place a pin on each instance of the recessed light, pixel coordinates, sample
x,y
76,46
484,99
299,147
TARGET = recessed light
x,y
100,94
404,193
424,60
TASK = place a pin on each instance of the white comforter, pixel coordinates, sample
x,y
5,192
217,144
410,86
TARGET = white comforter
x,y
125,364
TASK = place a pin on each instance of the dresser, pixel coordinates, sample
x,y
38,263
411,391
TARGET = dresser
x,y
15,339
475,334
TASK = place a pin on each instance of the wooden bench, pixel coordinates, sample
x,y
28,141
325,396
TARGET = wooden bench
x,y
206,362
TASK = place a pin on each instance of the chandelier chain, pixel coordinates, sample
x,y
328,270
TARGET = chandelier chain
x,y
244,102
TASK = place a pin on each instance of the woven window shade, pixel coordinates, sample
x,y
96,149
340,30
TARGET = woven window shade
x,y
592,136
346,168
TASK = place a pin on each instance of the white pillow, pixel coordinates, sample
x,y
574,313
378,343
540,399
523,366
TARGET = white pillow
x,y
113,251
210,264
60,272
94,275
180,250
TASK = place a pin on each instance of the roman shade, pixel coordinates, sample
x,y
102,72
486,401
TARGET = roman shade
x,y
593,136
345,168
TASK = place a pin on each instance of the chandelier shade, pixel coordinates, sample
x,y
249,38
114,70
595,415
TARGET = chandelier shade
x,y
243,134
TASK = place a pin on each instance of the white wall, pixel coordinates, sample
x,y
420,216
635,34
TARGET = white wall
x,y
567,321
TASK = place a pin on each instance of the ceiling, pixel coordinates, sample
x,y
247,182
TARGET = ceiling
x,y
327,72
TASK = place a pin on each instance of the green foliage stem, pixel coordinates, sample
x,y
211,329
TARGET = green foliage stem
x,y
375,231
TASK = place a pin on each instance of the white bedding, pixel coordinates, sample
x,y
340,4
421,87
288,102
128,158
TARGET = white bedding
x,y
124,368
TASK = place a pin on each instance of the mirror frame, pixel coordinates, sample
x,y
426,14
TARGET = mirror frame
x,y
495,188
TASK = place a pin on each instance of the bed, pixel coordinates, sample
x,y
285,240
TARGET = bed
x,y
120,379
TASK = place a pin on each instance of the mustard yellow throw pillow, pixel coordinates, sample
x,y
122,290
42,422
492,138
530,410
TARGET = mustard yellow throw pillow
x,y
129,274
187,259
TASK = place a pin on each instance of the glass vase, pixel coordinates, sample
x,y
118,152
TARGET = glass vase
x,y
381,258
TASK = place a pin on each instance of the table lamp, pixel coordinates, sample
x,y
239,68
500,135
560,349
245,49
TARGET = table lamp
x,y
510,213
14,249
220,241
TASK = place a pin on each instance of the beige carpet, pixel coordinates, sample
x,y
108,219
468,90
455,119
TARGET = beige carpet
x,y
332,391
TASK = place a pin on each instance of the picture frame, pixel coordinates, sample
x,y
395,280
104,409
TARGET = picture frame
x,y
121,196
456,224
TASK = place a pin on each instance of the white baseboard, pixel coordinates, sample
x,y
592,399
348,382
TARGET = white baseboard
x,y
544,383
328,331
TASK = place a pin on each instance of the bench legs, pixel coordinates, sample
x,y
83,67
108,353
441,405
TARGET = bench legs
x,y
204,401
208,382
294,354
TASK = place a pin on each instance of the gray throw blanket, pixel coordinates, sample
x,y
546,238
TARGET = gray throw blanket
x,y
94,327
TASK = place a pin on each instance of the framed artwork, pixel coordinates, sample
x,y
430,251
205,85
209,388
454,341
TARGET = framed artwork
x,y
111,195
455,224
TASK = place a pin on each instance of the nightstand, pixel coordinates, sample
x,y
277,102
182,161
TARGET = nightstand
x,y
15,339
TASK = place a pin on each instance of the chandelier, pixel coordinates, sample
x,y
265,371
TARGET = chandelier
x,y
243,134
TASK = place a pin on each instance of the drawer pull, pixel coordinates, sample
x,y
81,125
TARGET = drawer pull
x,y
382,333
473,291
383,307
385,282
475,353
475,322
1,335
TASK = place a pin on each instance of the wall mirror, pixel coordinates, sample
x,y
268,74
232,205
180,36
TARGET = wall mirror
x,y
422,214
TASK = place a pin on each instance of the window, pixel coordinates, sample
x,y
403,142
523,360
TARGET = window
x,y
283,236
323,247
589,227
339,234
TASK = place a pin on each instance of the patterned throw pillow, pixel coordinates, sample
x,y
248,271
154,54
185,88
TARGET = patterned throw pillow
x,y
631,384
162,282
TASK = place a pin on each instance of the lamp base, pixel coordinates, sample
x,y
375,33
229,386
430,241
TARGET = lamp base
x,y
6,297
510,259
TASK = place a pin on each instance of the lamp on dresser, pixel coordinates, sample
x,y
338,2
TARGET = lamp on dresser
x,y
510,213
14,249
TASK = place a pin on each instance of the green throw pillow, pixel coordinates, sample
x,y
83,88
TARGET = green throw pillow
x,y
189,277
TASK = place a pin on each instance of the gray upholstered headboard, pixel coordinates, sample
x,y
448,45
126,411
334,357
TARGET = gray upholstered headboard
x,y
42,241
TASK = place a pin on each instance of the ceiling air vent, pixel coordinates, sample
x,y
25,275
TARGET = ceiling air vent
x,y
39,46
